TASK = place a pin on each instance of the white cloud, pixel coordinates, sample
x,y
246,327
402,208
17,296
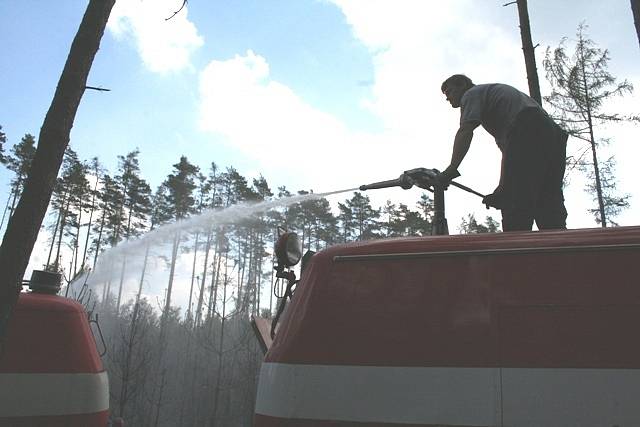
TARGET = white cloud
x,y
269,122
164,46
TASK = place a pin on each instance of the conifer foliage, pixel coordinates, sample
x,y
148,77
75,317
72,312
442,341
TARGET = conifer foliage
x,y
581,87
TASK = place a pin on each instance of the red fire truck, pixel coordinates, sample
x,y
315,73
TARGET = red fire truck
x,y
51,374
523,329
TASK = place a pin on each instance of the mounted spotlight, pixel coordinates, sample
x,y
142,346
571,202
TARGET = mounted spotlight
x,y
288,250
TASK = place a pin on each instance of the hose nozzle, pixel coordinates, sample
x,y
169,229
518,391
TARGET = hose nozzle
x,y
403,181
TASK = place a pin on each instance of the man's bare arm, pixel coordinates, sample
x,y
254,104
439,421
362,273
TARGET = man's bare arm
x,y
461,144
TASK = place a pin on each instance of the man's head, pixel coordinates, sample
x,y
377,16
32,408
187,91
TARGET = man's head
x,y
454,87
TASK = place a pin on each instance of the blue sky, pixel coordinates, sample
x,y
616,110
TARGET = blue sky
x,y
313,94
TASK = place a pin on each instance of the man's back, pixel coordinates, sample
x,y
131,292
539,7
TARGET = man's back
x,y
495,106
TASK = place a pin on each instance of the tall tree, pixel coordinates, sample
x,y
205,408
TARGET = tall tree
x,y
347,222
179,197
528,50
3,140
134,205
426,207
103,230
79,204
635,9
580,86
24,225
363,217
214,202
19,162
135,200
68,202
97,173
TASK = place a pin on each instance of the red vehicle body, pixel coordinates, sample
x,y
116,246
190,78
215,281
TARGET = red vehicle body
x,y
511,329
51,374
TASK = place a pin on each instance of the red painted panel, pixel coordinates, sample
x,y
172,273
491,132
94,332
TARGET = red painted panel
x,y
444,311
49,334
572,337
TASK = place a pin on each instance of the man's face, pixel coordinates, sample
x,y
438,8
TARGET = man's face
x,y
454,94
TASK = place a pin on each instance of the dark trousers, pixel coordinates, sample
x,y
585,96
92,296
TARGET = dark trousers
x,y
533,171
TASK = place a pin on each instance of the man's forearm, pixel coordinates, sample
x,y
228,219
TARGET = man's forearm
x,y
461,145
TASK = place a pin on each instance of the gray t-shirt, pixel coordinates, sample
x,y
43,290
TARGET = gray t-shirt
x,y
494,106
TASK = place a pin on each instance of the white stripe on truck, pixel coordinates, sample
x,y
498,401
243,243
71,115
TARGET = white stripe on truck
x,y
522,397
466,396
24,395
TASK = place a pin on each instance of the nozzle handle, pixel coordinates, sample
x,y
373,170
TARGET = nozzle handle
x,y
402,181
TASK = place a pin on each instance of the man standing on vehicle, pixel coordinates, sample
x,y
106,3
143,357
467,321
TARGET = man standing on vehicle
x,y
533,150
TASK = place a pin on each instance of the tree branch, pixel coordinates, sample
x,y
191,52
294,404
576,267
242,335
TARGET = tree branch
x,y
184,3
97,88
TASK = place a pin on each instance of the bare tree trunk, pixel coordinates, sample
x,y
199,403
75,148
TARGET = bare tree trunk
x,y
193,275
216,400
159,402
22,230
596,169
93,207
76,248
213,293
63,223
198,313
99,241
124,267
635,8
126,370
172,271
529,51
144,270
53,238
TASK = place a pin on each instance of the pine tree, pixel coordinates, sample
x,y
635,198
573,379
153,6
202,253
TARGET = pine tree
x,y
260,230
97,172
110,218
324,225
363,217
427,208
3,140
470,225
68,202
347,222
134,205
19,162
214,202
79,204
179,187
581,85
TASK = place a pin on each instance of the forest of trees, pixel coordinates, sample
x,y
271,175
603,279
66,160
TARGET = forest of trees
x,y
195,364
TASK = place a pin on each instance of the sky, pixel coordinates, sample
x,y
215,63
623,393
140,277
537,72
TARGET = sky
x,y
317,95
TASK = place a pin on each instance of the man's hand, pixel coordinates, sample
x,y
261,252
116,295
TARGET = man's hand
x,y
446,176
493,200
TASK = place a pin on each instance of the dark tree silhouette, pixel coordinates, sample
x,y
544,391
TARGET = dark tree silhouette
x,y
24,225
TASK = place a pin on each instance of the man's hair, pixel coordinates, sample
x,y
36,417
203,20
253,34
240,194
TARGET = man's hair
x,y
457,80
